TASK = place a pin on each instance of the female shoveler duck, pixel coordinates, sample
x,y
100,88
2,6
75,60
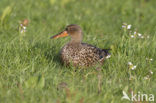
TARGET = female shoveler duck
x,y
77,53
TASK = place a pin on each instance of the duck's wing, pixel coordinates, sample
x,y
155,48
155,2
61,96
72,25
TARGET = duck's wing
x,y
100,54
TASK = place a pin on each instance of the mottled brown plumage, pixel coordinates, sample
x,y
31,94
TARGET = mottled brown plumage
x,y
77,53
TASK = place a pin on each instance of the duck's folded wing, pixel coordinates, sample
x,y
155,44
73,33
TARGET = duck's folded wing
x,y
97,53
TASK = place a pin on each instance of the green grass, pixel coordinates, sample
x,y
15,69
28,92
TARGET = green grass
x,y
30,71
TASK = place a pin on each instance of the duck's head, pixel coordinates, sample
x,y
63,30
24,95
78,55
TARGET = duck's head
x,y
71,30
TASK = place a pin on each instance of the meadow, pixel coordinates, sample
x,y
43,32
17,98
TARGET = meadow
x,y
30,68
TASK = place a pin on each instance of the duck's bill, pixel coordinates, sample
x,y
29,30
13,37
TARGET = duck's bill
x,y
62,34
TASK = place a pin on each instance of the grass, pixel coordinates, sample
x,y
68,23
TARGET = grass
x,y
30,71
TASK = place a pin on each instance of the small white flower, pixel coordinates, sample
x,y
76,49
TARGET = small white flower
x,y
130,63
131,66
132,36
22,31
139,34
151,59
24,27
123,26
134,67
151,72
148,36
135,33
129,26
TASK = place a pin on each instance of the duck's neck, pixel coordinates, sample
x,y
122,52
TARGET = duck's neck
x,y
76,39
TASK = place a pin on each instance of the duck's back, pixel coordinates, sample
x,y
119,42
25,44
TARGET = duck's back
x,y
82,54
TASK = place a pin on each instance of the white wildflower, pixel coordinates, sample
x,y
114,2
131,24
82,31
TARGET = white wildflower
x,y
24,27
131,66
149,59
135,33
139,34
134,67
123,26
129,26
22,31
130,63
151,72
132,36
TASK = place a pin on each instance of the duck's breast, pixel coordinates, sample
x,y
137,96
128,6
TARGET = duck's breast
x,y
70,54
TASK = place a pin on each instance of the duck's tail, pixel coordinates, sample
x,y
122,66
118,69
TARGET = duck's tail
x,y
107,54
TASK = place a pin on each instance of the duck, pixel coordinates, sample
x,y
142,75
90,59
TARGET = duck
x,y
77,53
